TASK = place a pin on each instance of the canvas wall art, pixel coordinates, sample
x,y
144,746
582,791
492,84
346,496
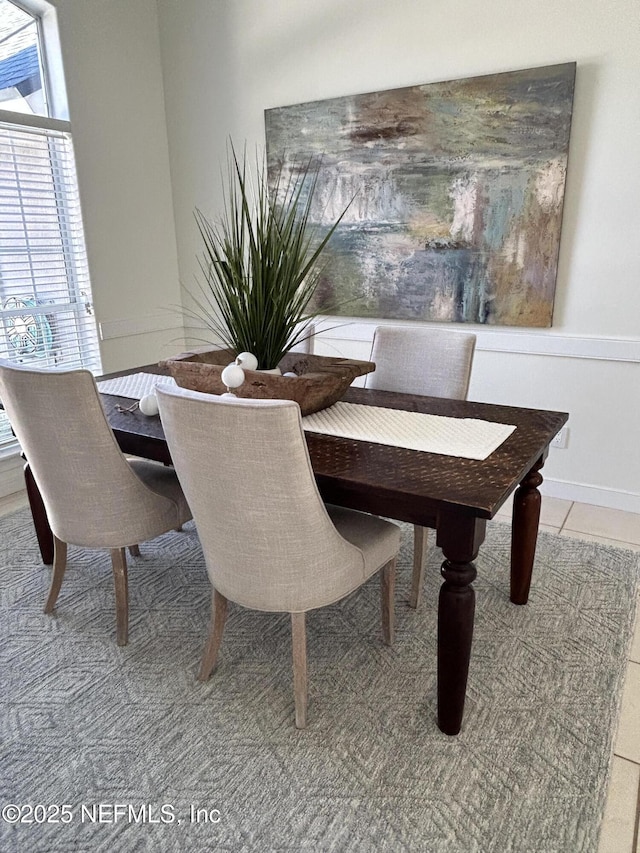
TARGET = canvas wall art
x,y
455,194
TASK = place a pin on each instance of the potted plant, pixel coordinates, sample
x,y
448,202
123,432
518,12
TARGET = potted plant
x,y
261,261
260,267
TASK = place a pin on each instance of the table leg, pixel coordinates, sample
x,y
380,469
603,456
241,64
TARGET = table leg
x,y
460,538
39,515
524,533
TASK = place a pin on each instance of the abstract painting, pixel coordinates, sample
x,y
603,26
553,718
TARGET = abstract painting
x,y
454,194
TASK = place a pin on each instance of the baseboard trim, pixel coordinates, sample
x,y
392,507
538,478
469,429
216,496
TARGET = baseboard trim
x,y
595,495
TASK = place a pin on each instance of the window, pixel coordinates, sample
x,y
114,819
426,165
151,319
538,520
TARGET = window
x,y
46,311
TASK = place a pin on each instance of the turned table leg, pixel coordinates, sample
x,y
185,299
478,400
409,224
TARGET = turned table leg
x,y
524,533
39,515
460,538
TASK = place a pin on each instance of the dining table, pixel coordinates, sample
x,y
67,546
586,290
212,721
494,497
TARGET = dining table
x,y
456,496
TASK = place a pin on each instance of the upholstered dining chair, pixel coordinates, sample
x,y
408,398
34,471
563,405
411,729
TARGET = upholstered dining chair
x,y
93,495
426,361
269,541
306,344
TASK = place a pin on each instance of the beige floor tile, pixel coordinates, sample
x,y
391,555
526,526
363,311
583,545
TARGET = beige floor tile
x,y
589,537
11,503
602,521
548,528
553,511
628,738
618,825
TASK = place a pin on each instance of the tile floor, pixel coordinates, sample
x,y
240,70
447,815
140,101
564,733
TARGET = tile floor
x,y
620,830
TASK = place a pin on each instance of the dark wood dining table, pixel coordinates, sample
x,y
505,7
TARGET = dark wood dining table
x,y
455,496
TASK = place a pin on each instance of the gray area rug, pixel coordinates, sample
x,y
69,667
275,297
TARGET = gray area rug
x,y
85,723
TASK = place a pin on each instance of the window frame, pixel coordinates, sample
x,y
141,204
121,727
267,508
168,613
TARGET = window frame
x,y
57,123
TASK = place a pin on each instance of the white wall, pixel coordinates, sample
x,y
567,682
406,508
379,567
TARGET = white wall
x,y
224,62
111,56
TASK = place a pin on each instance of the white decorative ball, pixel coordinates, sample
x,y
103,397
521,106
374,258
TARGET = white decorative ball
x,y
289,373
248,361
149,405
232,376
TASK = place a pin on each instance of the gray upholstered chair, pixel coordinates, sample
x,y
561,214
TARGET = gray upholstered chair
x,y
427,361
269,541
306,344
94,496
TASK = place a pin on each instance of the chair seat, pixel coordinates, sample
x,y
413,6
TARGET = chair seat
x,y
378,539
162,480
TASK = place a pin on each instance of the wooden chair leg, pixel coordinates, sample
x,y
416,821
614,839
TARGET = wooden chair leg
x,y
299,642
387,597
59,566
420,535
119,564
218,619
134,550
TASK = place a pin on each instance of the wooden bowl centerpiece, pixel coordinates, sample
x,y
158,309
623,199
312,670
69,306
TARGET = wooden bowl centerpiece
x,y
319,382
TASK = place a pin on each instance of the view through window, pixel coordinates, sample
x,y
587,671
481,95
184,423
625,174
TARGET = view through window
x,y
46,310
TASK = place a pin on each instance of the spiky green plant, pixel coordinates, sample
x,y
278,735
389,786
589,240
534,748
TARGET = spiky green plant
x,y
260,261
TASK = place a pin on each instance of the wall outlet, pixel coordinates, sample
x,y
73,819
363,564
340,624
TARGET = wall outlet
x,y
561,439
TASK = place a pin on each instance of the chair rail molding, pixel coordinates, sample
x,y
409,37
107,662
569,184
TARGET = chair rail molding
x,y
140,325
11,472
545,342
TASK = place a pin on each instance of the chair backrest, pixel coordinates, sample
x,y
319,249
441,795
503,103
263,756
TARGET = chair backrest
x,y
306,344
86,483
415,360
243,465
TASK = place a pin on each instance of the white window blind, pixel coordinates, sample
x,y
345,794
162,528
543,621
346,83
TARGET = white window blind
x,y
46,312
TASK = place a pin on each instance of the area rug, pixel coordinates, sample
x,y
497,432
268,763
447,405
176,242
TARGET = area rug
x,y
121,749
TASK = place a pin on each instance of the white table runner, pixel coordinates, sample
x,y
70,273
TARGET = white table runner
x,y
468,438
136,386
